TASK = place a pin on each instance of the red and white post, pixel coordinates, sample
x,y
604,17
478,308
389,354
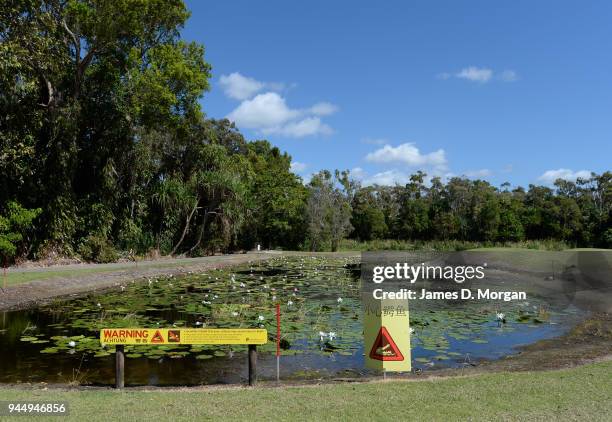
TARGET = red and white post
x,y
278,334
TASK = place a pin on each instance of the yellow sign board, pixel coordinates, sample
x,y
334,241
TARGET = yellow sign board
x,y
386,334
159,336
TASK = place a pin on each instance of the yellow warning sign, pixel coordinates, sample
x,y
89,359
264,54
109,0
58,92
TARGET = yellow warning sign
x,y
386,334
183,336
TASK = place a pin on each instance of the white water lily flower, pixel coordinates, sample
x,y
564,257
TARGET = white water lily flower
x,y
198,322
234,313
71,343
331,335
339,300
261,317
500,316
242,285
289,303
99,305
322,335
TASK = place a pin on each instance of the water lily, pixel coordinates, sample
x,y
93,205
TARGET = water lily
x,y
322,335
339,300
500,316
261,317
242,285
99,305
198,323
289,303
331,335
234,313
71,343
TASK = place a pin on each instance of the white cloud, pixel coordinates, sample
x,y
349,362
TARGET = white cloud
x,y
475,74
323,109
408,154
478,174
508,76
298,129
550,176
240,87
480,74
263,111
269,113
387,178
358,173
298,167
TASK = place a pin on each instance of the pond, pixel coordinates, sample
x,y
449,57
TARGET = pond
x,y
321,323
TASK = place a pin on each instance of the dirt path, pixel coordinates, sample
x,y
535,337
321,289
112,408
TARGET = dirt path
x,y
91,277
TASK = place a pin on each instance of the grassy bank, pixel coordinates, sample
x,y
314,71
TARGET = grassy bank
x,y
582,393
447,245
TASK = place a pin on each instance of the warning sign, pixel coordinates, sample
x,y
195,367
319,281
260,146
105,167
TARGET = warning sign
x,y
384,348
386,334
183,336
157,337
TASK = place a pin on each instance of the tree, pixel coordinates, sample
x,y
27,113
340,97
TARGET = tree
x,y
15,224
368,219
328,210
80,79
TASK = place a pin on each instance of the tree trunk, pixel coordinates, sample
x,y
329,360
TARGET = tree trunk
x,y
186,228
201,234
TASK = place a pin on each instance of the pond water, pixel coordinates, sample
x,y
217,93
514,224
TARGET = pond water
x,y
58,342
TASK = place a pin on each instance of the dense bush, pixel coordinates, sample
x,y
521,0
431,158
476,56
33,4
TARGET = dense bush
x,y
97,249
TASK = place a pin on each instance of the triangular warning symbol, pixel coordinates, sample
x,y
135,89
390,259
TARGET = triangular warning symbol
x,y
157,337
384,348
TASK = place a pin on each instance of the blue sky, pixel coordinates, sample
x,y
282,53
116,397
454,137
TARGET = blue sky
x,y
516,91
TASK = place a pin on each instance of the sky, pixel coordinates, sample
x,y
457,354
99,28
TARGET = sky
x,y
506,91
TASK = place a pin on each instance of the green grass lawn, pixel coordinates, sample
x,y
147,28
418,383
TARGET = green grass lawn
x,y
15,277
583,393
